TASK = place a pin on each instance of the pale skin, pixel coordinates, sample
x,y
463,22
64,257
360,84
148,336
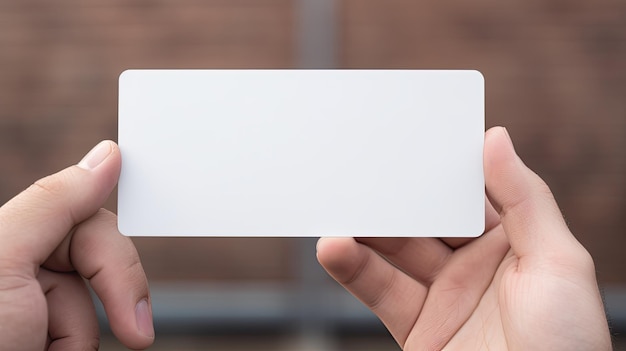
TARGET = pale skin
x,y
52,236
525,284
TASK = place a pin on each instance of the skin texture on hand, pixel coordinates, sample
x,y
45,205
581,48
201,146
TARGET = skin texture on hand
x,y
525,284
52,236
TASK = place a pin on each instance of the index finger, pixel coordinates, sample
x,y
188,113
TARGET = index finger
x,y
111,264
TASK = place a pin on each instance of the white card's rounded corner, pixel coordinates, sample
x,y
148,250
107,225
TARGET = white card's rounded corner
x,y
121,228
478,74
122,76
478,231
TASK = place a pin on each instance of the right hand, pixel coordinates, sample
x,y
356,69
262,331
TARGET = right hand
x,y
526,284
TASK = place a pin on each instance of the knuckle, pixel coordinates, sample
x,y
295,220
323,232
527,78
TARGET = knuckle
x,y
585,258
59,184
107,216
377,300
574,259
93,343
49,186
134,270
14,279
79,342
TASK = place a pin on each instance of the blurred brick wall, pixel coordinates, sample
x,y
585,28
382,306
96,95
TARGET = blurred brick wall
x,y
555,73
59,64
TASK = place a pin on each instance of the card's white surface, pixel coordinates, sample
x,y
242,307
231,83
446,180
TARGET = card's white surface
x,y
301,153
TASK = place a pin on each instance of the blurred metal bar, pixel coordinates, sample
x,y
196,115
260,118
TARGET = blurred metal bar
x,y
311,301
316,31
316,44
615,304
186,307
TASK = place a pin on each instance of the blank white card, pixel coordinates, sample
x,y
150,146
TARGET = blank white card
x,y
301,153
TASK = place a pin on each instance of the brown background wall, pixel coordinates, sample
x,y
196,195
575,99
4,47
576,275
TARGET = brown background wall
x,y
556,77
59,64
555,73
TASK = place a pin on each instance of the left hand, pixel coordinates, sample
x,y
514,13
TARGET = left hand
x,y
52,236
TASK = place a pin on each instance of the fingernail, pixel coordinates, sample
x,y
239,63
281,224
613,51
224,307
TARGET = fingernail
x,y
95,157
317,245
144,318
508,137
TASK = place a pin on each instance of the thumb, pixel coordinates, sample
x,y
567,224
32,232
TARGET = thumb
x,y
529,214
33,223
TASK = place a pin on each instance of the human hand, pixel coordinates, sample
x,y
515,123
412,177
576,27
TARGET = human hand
x,y
525,284
51,235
